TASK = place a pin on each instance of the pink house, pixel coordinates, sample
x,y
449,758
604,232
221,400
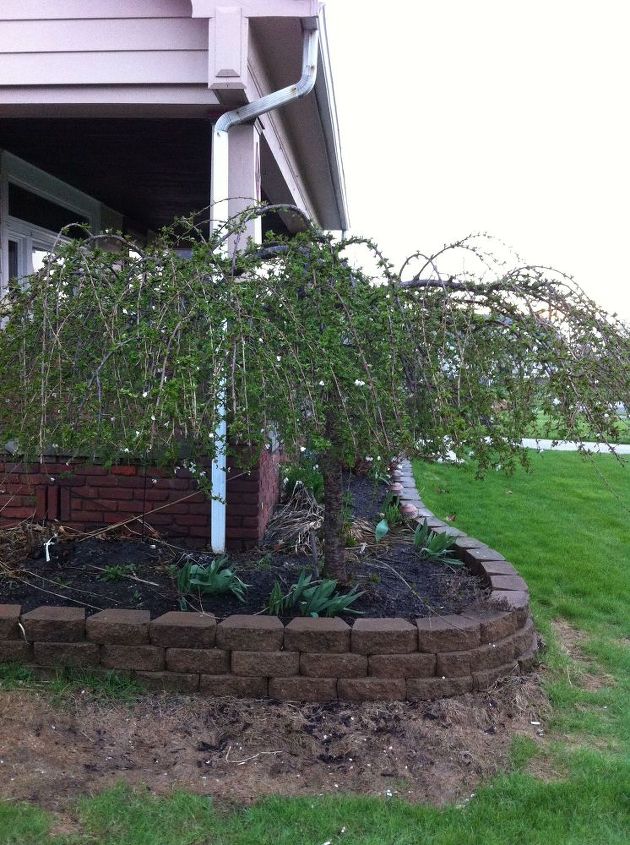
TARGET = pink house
x,y
108,111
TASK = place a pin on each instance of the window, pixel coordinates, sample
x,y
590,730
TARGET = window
x,y
34,207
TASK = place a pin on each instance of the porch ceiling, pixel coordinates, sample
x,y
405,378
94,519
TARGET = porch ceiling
x,y
149,170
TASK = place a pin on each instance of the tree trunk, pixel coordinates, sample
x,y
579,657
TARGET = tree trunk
x,y
334,552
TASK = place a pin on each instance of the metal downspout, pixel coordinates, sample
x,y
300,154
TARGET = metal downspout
x,y
219,211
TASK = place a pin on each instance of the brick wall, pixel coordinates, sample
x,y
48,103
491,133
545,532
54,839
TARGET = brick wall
x,y
85,496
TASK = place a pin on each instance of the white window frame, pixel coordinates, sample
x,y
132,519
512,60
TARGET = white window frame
x,y
15,171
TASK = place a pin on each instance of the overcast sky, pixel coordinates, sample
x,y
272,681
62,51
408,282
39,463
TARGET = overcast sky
x,y
505,116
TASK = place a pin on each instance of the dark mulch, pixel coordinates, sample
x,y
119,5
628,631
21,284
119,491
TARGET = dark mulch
x,y
395,581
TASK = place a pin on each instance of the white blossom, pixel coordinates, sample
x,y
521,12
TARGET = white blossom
x,y
359,383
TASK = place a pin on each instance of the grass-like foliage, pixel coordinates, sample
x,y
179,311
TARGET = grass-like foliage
x,y
311,598
212,579
125,353
433,546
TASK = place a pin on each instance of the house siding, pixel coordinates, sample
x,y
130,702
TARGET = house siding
x,y
101,43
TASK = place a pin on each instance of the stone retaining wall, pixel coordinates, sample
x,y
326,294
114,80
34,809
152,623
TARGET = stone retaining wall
x,y
306,660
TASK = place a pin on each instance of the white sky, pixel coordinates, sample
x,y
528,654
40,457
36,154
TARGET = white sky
x,y
507,116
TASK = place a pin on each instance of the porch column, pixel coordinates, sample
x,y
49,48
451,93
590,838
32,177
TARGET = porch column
x,y
244,176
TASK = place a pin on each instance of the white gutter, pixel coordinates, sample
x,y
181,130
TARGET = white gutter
x,y
219,210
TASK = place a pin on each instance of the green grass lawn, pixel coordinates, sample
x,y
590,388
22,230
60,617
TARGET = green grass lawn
x,y
546,428
566,526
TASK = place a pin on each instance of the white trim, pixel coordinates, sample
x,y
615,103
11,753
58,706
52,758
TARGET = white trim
x,y
16,171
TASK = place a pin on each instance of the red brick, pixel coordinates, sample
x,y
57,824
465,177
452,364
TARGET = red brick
x,y
136,483
317,636
102,481
426,689
346,665
89,469
119,493
124,470
55,624
180,629
197,531
250,633
209,661
238,686
448,633
193,519
66,654
10,512
145,658
126,627
150,494
384,636
9,618
15,651
372,689
303,689
91,517
487,678
176,681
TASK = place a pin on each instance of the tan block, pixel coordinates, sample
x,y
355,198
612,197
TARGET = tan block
x,y
176,681
317,636
493,624
448,633
55,624
66,654
384,636
9,618
279,664
250,633
119,627
529,660
486,678
516,601
179,629
238,686
492,654
508,582
303,689
453,664
426,689
209,661
497,567
333,665
15,651
524,638
401,665
143,658
372,689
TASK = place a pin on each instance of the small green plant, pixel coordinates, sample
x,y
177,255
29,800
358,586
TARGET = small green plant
x,y
432,546
265,562
307,474
214,579
116,572
391,516
311,598
136,598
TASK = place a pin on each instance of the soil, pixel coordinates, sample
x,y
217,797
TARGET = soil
x,y
132,573
238,751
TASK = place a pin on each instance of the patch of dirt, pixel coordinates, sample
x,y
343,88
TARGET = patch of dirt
x,y
129,573
238,751
571,642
